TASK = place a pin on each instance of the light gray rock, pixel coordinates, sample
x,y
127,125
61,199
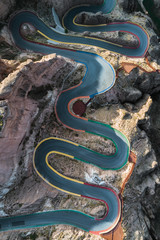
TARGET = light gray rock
x,y
98,211
91,19
132,94
129,5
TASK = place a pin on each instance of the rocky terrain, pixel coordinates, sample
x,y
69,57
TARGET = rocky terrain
x,y
29,85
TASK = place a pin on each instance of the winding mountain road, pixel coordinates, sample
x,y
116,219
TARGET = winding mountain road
x,y
99,77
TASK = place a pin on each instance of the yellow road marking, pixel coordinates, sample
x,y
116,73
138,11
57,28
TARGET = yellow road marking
x,y
45,36
55,138
61,175
101,40
64,154
46,159
87,25
70,10
67,43
101,25
86,51
73,180
98,25
51,183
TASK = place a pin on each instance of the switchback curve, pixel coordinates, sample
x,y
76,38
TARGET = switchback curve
x,y
100,77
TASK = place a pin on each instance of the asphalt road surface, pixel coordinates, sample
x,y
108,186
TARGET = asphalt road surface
x,y
99,77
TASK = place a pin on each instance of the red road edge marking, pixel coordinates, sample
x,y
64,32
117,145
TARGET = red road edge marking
x,y
44,44
39,43
56,109
74,115
118,199
99,219
133,34
94,185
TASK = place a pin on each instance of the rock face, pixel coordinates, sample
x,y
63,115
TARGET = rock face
x,y
67,4
150,202
20,89
27,29
28,89
5,7
148,83
5,69
91,19
130,5
157,3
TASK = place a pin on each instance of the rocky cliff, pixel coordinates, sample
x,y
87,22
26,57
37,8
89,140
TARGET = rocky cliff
x,y
9,6
29,84
157,3
5,7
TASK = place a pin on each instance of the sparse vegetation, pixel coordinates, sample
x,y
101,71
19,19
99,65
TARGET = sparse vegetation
x,y
1,122
66,30
36,38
